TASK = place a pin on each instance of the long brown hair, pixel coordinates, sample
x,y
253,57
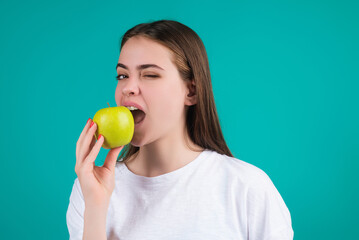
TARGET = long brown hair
x,y
191,59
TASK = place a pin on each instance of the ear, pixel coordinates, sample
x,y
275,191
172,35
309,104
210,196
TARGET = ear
x,y
191,97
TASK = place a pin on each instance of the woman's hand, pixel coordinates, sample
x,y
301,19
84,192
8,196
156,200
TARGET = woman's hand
x,y
97,183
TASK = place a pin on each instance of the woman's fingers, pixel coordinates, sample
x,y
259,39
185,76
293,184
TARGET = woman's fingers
x,y
91,157
93,142
84,131
111,158
87,148
85,145
82,136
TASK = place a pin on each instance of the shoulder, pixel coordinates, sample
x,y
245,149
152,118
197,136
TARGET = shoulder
x,y
257,194
240,170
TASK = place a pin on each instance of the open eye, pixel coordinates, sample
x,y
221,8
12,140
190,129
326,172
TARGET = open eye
x,y
120,76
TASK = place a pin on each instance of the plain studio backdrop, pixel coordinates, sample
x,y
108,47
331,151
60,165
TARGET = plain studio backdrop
x,y
285,81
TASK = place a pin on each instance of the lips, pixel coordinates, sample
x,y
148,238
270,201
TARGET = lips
x,y
128,104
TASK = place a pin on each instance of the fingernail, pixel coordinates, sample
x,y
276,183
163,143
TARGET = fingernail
x,y
99,137
88,120
91,124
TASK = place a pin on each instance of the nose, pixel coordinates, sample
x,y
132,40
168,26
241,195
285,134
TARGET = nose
x,y
131,87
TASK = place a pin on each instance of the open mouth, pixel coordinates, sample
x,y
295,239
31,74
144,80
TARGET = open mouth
x,y
138,115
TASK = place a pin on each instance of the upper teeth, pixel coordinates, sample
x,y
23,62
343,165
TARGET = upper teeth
x,y
132,108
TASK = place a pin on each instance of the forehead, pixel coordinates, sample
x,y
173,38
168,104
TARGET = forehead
x,y
138,50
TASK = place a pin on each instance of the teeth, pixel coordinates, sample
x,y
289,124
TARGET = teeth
x,y
131,108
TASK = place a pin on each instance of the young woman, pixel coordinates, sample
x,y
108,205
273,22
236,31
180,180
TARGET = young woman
x,y
177,179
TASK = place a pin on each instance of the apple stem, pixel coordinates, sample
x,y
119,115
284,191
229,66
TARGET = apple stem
x,y
108,104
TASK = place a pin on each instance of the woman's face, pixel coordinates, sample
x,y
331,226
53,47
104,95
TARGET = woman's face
x,y
158,90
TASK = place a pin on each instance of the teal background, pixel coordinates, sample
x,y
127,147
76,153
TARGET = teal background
x,y
285,81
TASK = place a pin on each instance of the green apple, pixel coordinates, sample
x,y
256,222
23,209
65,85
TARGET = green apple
x,y
116,125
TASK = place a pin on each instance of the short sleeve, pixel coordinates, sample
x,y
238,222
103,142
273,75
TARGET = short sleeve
x,y
75,212
268,215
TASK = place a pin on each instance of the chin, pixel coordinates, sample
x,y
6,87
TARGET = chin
x,y
136,145
136,142
140,141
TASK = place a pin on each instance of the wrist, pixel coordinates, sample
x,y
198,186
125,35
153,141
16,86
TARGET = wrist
x,y
97,216
97,204
97,208
94,224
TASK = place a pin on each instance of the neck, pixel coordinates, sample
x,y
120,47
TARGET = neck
x,y
164,155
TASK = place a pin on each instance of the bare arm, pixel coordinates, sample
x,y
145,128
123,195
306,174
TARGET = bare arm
x,y
97,183
94,224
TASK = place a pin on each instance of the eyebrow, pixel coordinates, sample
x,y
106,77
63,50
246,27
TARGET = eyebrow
x,y
139,67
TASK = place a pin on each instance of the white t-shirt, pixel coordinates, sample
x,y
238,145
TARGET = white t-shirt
x,y
213,197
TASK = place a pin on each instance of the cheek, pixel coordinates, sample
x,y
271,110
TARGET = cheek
x,y
118,95
168,102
